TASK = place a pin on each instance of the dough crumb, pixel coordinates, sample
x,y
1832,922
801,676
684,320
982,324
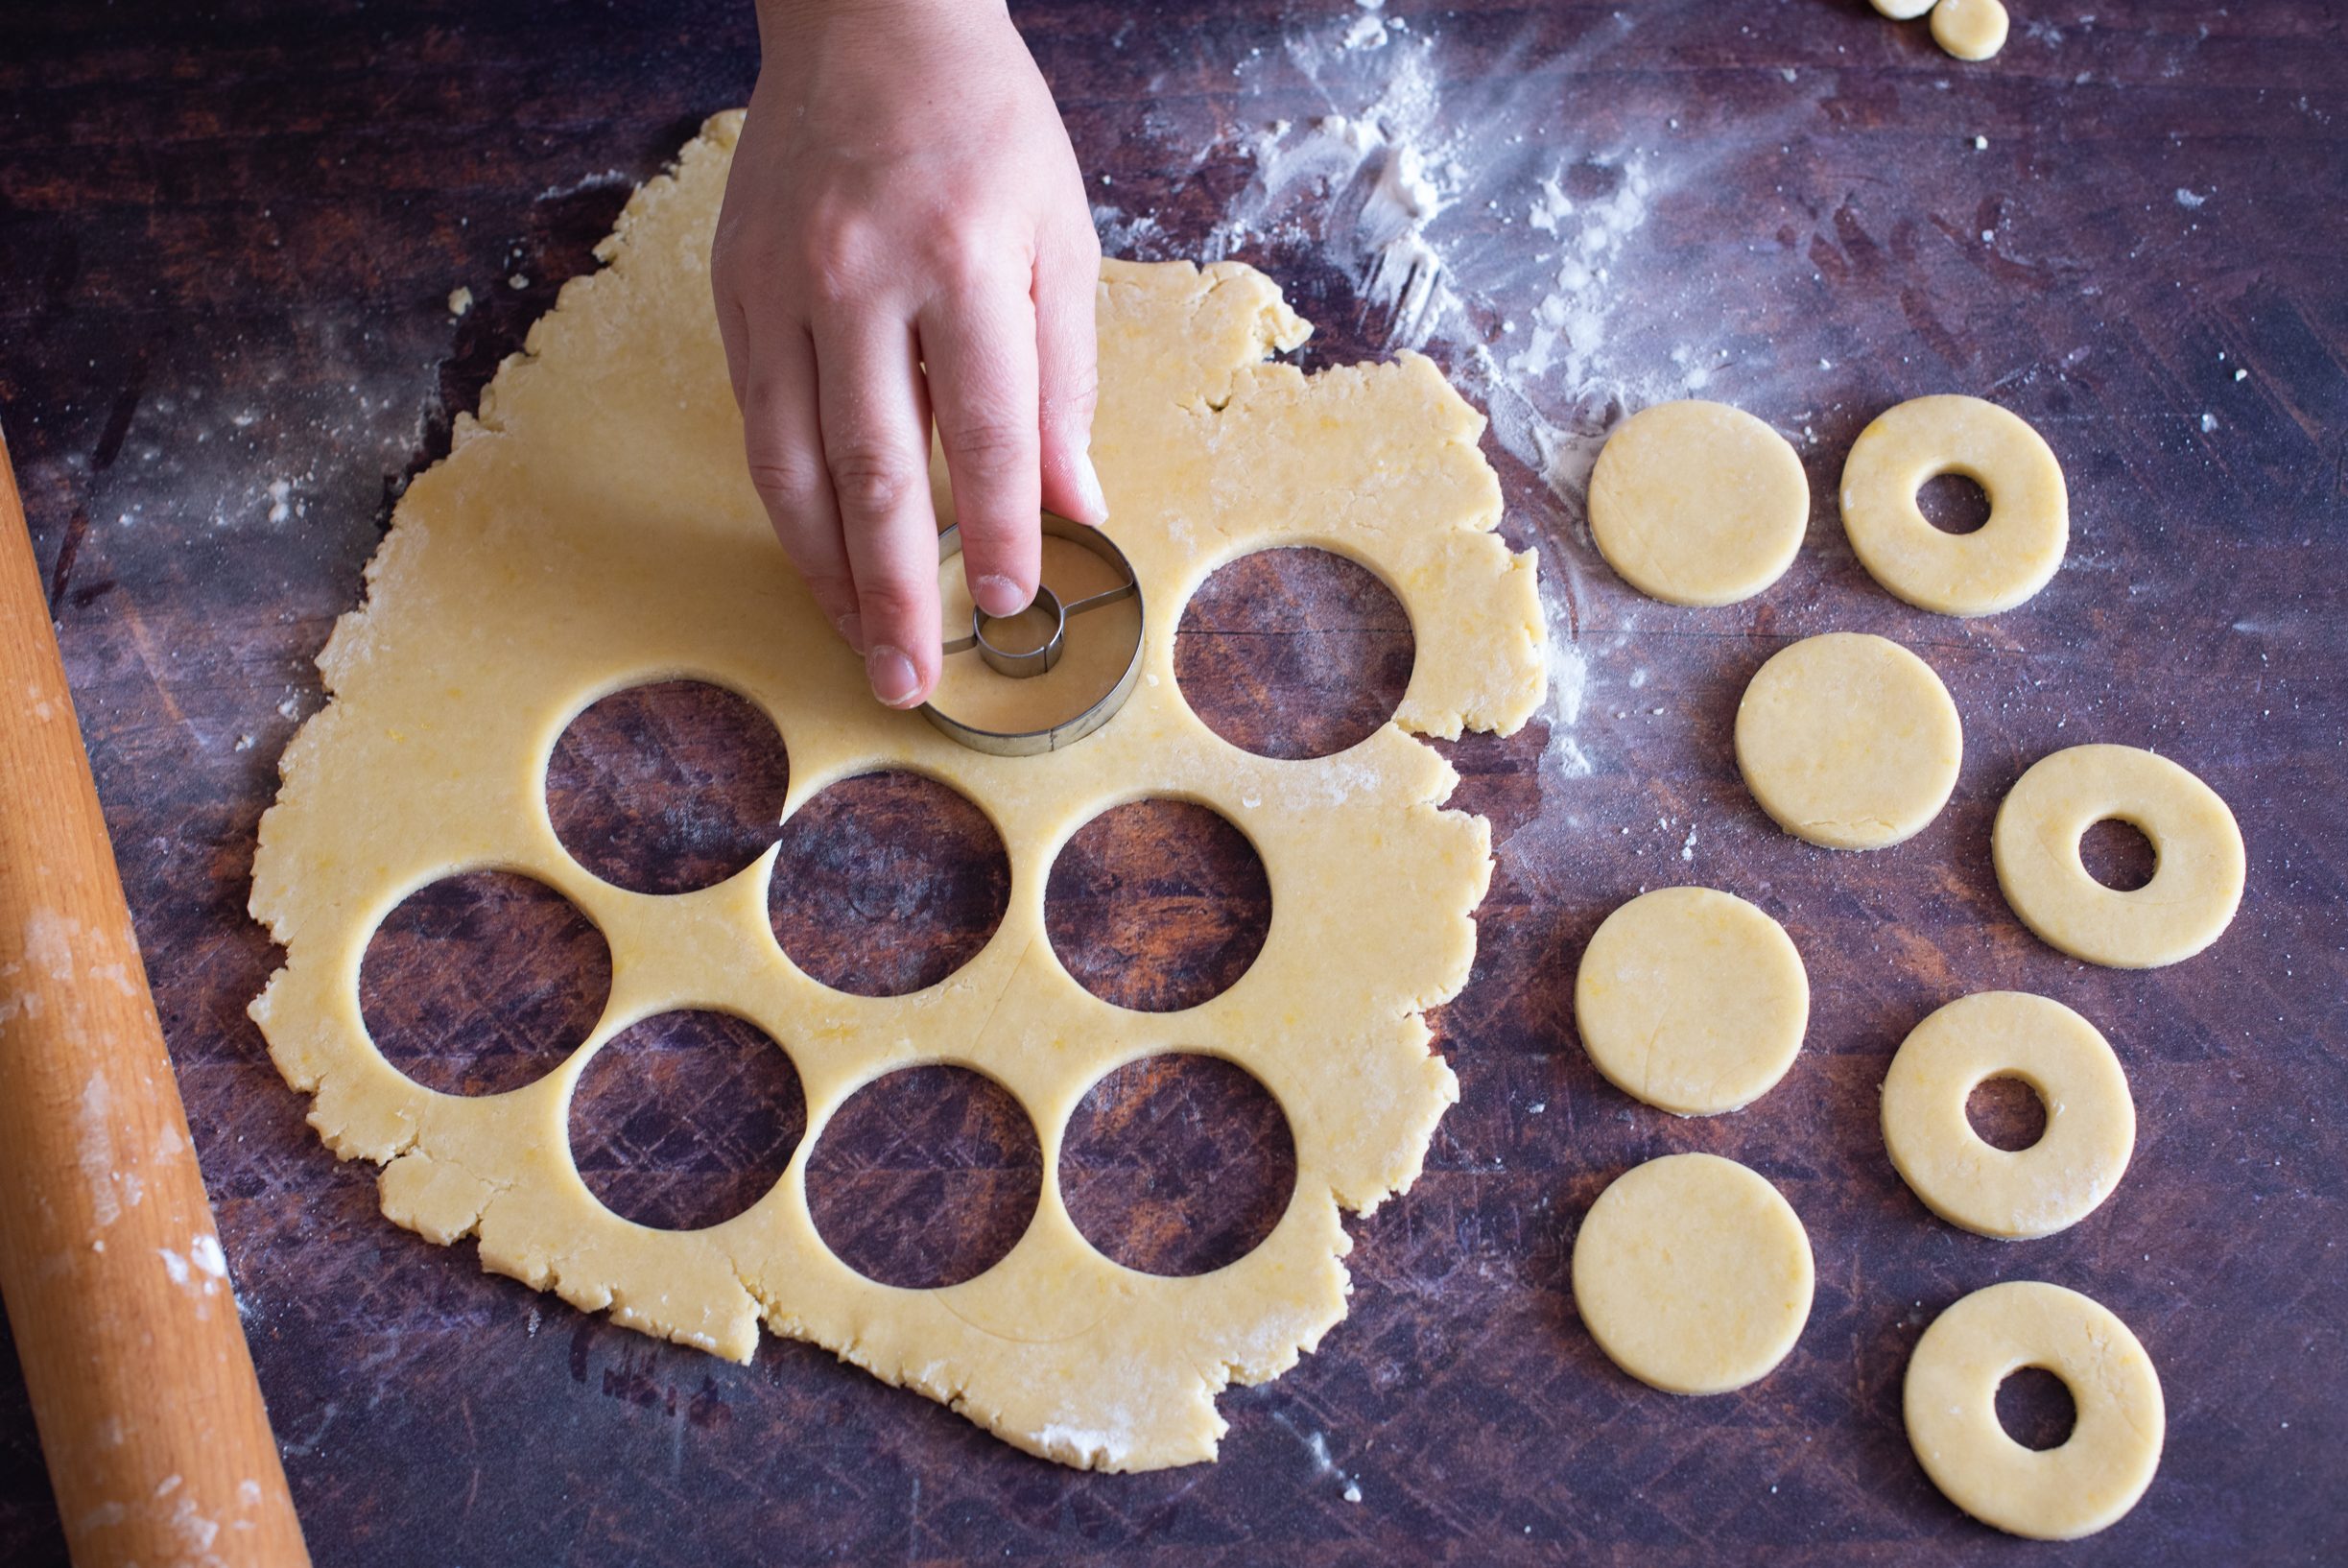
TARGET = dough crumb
x,y
1981,144
1353,1491
460,300
517,281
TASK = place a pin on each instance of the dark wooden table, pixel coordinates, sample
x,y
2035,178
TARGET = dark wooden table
x,y
226,238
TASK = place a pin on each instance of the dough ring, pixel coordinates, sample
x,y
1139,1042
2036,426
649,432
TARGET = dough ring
x,y
1849,741
2198,870
2055,1494
1693,1273
595,529
1697,503
1691,1000
2011,1194
1996,566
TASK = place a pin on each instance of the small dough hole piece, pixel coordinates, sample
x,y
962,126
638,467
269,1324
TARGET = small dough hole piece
x,y
1293,652
1902,10
2118,854
685,1119
482,983
1157,906
925,1178
2006,1112
887,882
2036,1410
1953,503
1177,1164
668,788
1971,29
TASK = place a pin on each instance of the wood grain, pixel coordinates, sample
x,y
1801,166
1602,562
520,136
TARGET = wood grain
x,y
235,276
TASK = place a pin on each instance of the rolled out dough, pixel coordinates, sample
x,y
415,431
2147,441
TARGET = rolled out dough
x,y
594,529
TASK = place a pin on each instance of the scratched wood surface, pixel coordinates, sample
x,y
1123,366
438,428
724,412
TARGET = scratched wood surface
x,y
226,238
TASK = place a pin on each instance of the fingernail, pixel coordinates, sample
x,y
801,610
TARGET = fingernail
x,y
999,596
852,630
1088,487
892,674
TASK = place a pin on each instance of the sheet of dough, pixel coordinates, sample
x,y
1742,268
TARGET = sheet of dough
x,y
593,529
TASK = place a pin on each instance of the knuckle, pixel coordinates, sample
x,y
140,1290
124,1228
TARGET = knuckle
x,y
992,446
786,478
871,481
888,601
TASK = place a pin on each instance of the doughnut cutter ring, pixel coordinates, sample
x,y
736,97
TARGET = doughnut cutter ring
x,y
1027,664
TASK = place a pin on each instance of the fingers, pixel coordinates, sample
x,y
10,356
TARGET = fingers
x,y
978,346
875,424
1067,277
782,437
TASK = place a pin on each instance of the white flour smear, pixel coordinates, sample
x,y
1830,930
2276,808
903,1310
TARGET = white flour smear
x,y
1525,257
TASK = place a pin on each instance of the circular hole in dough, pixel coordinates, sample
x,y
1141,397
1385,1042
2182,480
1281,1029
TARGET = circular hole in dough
x,y
1950,1402
1177,1164
685,1119
2006,1114
1293,652
1693,1274
2197,857
669,786
1954,504
1849,741
1971,29
1697,503
887,883
1691,1000
482,983
1157,906
925,1178
2118,854
2005,561
2010,1190
2036,1410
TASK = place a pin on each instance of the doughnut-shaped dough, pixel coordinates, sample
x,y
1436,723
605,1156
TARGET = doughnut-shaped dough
x,y
1996,566
1970,29
1848,741
1691,1000
1902,10
1693,1273
2198,870
2055,1494
1697,503
2010,1194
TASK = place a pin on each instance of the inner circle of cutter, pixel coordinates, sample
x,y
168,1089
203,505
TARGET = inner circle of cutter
x,y
1032,662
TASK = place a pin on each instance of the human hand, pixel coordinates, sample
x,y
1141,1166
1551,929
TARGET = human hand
x,y
906,236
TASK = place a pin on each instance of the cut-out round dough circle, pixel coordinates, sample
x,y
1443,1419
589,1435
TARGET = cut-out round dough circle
x,y
1691,1000
2010,1194
1849,741
1693,1274
1902,10
2053,1495
1996,566
2198,870
1971,29
1697,503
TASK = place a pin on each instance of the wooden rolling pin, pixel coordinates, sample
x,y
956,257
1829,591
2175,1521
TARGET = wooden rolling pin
x,y
159,1448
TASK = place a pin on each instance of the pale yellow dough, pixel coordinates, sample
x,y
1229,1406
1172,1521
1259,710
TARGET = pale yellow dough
x,y
595,529
1697,503
1848,741
1902,10
2055,1494
1693,1274
2197,879
1691,1000
2010,1194
1971,29
1996,566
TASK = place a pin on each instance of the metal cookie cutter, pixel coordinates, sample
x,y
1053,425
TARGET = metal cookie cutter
x,y
1024,665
